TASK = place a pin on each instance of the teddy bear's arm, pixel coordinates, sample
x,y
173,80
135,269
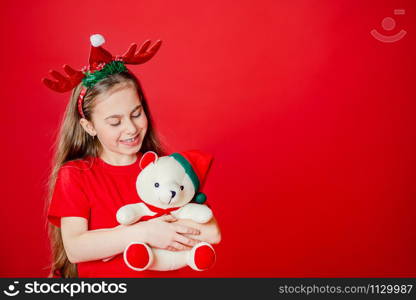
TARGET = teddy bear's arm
x,y
196,212
131,213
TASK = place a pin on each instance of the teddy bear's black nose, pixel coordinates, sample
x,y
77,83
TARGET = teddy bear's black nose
x,y
173,193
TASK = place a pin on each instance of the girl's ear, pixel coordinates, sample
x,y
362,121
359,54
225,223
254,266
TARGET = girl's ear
x,y
88,127
147,159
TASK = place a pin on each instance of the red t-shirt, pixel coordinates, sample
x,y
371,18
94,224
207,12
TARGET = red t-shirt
x,y
95,190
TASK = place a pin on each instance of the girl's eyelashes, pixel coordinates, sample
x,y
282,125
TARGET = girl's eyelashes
x,y
134,116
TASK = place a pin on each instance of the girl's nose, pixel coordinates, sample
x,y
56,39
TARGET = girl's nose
x,y
131,127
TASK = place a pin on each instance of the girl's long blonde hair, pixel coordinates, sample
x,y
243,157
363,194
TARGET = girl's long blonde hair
x,y
73,143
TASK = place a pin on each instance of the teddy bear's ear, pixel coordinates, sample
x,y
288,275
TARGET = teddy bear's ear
x,y
147,158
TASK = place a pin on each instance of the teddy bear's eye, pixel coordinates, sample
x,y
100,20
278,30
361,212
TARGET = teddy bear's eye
x,y
157,184
181,187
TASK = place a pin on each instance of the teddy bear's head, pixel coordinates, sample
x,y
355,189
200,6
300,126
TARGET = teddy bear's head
x,y
173,180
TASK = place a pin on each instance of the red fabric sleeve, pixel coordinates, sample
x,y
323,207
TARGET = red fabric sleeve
x,y
68,199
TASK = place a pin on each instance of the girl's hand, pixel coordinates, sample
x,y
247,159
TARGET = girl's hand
x,y
210,231
162,233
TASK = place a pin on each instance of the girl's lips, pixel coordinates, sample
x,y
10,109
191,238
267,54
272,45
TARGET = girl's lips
x,y
134,142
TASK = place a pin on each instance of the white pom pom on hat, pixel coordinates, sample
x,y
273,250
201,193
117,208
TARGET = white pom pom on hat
x,y
97,40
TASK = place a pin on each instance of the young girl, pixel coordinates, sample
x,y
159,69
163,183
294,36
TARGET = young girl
x,y
106,128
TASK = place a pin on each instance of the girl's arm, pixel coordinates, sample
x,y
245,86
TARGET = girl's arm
x,y
210,231
82,244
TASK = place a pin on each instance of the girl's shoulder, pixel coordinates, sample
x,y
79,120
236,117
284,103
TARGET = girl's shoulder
x,y
81,164
75,170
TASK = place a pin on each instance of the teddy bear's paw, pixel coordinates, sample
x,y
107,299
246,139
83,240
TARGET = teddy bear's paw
x,y
125,216
138,256
196,212
202,257
203,216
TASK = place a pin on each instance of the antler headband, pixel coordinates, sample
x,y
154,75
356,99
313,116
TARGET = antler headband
x,y
101,64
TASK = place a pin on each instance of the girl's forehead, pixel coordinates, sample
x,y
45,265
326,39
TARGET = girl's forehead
x,y
119,101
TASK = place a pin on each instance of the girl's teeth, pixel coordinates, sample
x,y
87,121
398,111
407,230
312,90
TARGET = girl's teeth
x,y
129,140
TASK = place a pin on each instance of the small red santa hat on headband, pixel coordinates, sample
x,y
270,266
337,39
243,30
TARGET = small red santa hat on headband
x,y
98,55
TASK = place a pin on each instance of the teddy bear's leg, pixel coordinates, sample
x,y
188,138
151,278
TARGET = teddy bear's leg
x,y
165,260
201,257
138,256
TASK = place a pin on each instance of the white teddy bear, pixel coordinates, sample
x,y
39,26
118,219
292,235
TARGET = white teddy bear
x,y
166,185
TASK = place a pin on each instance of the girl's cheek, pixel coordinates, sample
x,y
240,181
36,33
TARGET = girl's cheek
x,y
112,134
143,122
116,137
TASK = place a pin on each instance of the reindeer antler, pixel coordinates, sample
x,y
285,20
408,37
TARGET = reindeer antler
x,y
63,83
143,55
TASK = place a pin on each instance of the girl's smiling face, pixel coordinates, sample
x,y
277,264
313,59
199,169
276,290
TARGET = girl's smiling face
x,y
120,124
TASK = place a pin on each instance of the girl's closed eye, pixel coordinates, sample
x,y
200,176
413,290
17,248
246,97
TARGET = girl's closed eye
x,y
115,122
137,115
137,112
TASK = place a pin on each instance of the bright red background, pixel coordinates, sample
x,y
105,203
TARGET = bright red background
x,y
311,121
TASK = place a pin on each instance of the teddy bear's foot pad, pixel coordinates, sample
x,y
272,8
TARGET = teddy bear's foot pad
x,y
138,256
204,257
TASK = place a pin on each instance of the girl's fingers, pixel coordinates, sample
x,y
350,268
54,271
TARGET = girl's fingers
x,y
186,229
179,247
185,241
